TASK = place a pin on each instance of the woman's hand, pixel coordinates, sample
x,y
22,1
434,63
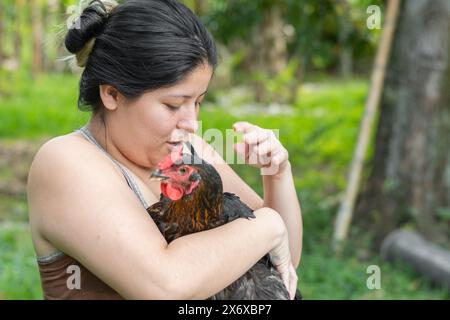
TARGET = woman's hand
x,y
261,148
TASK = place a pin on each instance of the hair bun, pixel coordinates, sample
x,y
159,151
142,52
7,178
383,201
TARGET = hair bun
x,y
80,39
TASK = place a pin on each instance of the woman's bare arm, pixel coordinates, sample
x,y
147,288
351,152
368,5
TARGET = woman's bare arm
x,y
87,211
215,258
280,195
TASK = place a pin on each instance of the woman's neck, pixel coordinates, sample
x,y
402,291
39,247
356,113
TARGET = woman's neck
x,y
99,130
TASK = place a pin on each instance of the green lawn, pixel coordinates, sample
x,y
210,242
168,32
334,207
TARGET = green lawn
x,y
319,135
19,276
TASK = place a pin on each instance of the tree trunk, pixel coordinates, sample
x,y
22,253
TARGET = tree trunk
x,y
269,54
36,22
2,32
345,50
50,44
429,260
46,43
274,48
410,177
61,16
17,37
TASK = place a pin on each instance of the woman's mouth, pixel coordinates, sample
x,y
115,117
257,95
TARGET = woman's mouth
x,y
172,145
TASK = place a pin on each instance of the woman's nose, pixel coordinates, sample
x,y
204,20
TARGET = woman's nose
x,y
188,125
188,120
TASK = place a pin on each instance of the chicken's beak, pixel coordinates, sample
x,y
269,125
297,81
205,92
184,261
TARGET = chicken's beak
x,y
158,176
195,177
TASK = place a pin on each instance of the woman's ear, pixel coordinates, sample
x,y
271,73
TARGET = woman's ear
x,y
110,96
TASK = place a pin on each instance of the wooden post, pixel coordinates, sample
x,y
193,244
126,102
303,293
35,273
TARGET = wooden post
x,y
345,213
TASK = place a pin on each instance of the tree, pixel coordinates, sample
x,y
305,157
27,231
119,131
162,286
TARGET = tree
x,y
409,181
17,38
345,28
36,22
268,54
2,10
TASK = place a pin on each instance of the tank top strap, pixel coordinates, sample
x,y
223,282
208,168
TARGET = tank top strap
x,y
132,184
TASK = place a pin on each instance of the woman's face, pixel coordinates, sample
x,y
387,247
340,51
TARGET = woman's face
x,y
141,129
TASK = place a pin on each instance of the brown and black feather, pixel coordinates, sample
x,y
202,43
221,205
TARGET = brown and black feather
x,y
208,207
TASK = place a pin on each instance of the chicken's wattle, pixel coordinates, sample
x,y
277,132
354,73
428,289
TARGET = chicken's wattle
x,y
171,191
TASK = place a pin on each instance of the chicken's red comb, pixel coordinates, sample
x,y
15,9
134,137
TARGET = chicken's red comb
x,y
175,156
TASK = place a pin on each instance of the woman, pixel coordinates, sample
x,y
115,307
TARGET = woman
x,y
147,65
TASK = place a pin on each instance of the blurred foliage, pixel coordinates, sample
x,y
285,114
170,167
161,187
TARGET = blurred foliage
x,y
312,31
281,87
314,26
318,125
319,133
45,105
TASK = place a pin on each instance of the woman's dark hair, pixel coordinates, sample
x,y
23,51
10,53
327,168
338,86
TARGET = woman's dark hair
x,y
138,46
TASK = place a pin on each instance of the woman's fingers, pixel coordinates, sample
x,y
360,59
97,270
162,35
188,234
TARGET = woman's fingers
x,y
252,134
243,150
285,276
261,148
278,158
268,146
293,278
243,126
290,279
257,136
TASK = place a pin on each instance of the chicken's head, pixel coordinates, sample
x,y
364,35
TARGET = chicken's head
x,y
178,176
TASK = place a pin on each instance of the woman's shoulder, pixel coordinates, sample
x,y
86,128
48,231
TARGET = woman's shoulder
x,y
68,176
67,152
45,171
65,145
64,163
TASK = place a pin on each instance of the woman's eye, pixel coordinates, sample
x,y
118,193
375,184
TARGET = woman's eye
x,y
173,108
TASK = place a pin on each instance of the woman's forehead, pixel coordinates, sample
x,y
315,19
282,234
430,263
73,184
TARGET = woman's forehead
x,y
194,85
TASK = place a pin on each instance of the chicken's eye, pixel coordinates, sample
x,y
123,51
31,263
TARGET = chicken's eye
x,y
182,171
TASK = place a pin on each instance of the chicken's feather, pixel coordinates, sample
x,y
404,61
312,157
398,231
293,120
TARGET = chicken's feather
x,y
263,281
234,208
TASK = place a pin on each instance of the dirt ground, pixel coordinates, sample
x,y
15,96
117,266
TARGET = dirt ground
x,y
15,160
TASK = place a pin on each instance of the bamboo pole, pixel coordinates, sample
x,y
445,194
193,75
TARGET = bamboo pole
x,y
345,212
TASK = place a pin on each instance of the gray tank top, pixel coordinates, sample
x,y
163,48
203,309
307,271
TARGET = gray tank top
x,y
85,132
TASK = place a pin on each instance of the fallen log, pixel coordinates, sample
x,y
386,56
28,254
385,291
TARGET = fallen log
x,y
426,258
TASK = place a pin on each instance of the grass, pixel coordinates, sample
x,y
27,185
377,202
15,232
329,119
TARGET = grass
x,y
319,134
46,105
19,276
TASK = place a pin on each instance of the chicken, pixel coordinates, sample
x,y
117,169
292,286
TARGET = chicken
x,y
192,200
